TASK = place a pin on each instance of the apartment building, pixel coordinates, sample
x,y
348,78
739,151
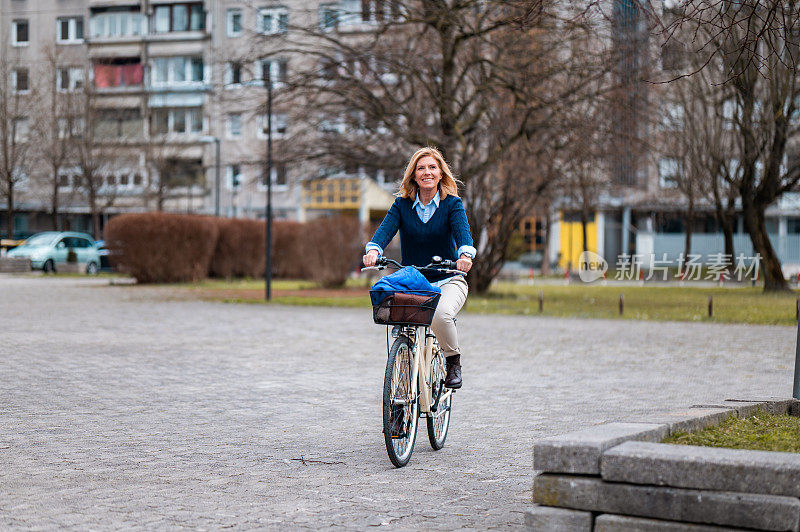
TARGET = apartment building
x,y
642,210
173,107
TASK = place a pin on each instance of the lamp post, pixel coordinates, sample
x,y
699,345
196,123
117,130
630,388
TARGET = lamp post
x,y
267,78
216,141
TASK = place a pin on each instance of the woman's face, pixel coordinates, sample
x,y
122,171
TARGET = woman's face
x,y
427,174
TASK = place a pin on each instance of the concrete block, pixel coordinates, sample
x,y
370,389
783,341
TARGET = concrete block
x,y
772,404
543,518
579,452
745,408
744,510
741,408
688,420
622,523
707,468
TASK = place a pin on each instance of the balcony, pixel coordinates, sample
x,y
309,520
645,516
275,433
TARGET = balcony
x,y
117,26
112,3
118,78
179,22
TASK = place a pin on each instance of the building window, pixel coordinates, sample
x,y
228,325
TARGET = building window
x,y
118,24
181,70
69,30
329,68
669,171
273,21
234,17
69,177
22,128
673,55
180,120
20,33
121,74
119,123
276,70
672,117
333,125
377,11
21,180
233,176
69,78
233,74
328,17
234,126
184,16
70,127
279,126
279,176
20,81
730,114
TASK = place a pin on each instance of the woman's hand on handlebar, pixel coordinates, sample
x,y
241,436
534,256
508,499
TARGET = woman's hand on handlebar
x,y
464,264
370,258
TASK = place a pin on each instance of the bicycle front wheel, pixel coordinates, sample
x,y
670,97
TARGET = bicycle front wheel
x,y
439,421
400,404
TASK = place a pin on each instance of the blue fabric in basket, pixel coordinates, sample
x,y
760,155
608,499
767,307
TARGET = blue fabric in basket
x,y
407,279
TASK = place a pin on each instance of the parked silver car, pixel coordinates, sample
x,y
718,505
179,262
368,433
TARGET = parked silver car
x,y
49,249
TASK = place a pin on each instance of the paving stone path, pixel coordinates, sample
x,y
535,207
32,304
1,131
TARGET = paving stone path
x,y
121,408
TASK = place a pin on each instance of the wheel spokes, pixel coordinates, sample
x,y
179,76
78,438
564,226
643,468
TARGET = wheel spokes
x,y
401,396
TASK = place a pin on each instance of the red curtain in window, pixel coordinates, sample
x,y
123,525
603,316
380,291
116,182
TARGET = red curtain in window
x,y
132,74
107,76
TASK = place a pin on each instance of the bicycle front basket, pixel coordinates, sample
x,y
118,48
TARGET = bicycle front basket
x,y
415,307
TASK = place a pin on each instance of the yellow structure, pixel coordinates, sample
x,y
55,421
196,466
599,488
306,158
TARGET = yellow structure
x,y
572,239
347,195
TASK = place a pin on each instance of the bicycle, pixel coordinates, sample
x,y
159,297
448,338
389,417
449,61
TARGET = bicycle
x,y
413,384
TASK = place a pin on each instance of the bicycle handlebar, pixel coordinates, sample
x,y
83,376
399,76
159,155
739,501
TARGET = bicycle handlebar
x,y
437,264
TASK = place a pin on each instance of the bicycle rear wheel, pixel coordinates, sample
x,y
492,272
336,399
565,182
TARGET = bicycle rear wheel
x,y
439,421
400,405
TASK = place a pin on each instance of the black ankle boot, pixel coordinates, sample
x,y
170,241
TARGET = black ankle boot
x,y
453,366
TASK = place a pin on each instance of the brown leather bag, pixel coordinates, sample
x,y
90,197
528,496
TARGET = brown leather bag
x,y
400,308
412,308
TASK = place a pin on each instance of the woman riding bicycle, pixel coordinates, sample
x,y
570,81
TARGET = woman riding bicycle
x,y
431,220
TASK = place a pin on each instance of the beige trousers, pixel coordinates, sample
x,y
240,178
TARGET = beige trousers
x,y
454,294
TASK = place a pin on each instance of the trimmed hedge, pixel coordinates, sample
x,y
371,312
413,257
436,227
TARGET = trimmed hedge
x,y
331,248
240,249
162,248
287,256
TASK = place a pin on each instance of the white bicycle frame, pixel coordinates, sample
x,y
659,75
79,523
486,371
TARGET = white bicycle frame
x,y
423,343
420,370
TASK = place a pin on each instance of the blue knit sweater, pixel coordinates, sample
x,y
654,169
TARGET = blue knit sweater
x,y
442,235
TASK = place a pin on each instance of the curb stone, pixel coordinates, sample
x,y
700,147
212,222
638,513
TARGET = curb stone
x,y
708,468
558,519
746,510
626,471
621,523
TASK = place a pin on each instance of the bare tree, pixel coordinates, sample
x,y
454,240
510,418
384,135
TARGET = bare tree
x,y
699,134
476,78
57,124
16,95
164,164
93,157
750,48
753,64
756,30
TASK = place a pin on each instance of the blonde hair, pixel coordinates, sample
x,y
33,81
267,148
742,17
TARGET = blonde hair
x,y
447,186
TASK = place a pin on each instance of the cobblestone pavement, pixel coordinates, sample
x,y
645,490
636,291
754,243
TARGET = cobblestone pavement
x,y
120,409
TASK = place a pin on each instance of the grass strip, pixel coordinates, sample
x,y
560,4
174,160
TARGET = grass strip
x,y
660,303
761,431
